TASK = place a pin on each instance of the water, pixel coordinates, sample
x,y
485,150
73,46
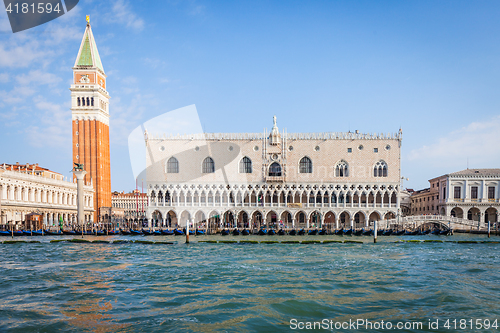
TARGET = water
x,y
203,287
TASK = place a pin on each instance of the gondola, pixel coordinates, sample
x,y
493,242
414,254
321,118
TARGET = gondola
x,y
445,232
167,232
262,232
398,233
387,232
436,232
236,232
200,232
368,232
224,232
281,232
348,232
301,232
271,232
112,232
5,233
70,232
411,233
313,232
426,232
191,232
339,232
26,233
358,232
52,233
245,232
38,232
147,232
178,232
293,232
125,232
135,232
323,232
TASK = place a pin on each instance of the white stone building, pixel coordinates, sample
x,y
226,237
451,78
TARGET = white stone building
x,y
26,189
300,180
471,194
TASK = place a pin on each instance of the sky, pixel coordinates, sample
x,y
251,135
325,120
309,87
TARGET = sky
x,y
429,67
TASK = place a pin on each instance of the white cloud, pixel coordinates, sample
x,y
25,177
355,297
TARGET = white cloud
x,y
123,14
38,77
479,142
4,78
52,129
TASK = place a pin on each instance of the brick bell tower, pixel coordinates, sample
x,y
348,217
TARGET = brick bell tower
x,y
90,117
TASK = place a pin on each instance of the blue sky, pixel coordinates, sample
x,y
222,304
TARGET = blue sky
x,y
430,67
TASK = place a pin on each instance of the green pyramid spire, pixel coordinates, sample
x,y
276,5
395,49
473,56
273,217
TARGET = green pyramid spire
x,y
88,55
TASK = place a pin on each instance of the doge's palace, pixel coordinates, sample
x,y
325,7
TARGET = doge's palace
x,y
273,179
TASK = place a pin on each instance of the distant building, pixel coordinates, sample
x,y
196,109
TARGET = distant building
x,y
129,208
29,188
472,194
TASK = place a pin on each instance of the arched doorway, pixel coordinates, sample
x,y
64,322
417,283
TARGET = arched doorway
x,y
474,214
457,212
272,220
156,219
256,220
359,220
345,220
286,219
315,220
329,222
491,215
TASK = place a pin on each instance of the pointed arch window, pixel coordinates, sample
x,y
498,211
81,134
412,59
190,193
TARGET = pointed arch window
x,y
172,165
245,165
275,170
342,169
78,101
380,169
208,165
88,101
83,101
305,165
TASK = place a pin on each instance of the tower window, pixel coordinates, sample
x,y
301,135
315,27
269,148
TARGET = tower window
x,y
92,101
305,165
245,165
78,101
208,165
83,101
172,165
275,170
88,101
380,169
342,169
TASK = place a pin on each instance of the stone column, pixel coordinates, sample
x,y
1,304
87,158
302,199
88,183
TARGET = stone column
x,y
351,220
80,196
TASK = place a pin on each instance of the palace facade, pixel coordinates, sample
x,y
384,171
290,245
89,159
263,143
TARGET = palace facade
x,y
28,188
253,180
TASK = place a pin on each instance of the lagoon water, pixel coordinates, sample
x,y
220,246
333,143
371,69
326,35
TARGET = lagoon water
x,y
226,287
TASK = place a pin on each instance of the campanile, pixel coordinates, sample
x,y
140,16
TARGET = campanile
x,y
90,117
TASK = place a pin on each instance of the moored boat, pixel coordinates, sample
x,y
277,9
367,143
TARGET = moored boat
x,y
313,232
339,232
200,232
236,232
167,232
178,232
135,232
323,232
281,232
245,232
69,232
368,232
262,232
224,232
271,232
293,232
358,232
53,233
301,232
347,232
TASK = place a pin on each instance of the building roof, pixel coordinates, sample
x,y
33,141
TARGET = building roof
x,y
24,167
477,172
88,56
